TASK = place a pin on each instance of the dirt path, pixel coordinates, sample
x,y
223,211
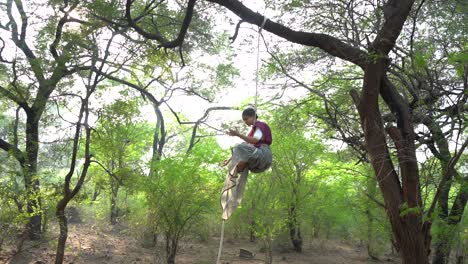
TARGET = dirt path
x,y
89,245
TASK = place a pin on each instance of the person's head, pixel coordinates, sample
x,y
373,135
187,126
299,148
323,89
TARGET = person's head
x,y
249,116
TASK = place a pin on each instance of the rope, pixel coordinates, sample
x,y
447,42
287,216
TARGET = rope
x,y
218,260
258,60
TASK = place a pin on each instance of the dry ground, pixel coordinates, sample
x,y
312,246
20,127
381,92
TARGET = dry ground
x,y
88,244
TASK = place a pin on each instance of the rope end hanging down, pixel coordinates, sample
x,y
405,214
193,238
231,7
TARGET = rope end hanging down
x,y
218,260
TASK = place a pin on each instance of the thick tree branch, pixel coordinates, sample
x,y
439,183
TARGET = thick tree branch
x,y
397,105
327,43
200,121
2,47
17,153
234,36
395,13
20,102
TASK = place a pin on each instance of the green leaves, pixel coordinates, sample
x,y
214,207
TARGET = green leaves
x,y
405,210
459,60
225,73
179,194
421,60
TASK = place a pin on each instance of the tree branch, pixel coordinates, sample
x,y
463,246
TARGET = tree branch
x,y
20,39
448,172
11,149
23,104
327,43
158,37
59,29
233,38
375,200
395,13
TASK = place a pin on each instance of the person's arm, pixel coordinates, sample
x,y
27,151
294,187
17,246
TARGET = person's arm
x,y
247,139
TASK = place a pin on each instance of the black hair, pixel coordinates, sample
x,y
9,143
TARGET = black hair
x,y
250,112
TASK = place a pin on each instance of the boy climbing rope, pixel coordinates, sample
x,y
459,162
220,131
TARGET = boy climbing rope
x,y
253,154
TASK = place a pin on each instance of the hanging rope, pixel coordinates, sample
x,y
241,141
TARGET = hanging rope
x,y
258,60
218,260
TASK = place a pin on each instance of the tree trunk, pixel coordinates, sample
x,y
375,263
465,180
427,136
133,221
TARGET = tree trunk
x,y
171,249
96,193
63,232
114,194
294,230
31,178
372,191
370,235
268,250
296,238
294,226
410,237
253,238
69,193
441,255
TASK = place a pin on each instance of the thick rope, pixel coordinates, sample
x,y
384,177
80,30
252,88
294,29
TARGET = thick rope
x,y
258,60
218,260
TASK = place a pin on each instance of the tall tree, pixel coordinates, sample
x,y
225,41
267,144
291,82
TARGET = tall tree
x,y
119,143
432,71
295,154
35,70
33,74
370,51
70,188
182,192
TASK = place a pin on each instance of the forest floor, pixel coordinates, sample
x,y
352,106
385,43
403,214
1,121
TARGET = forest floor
x,y
89,244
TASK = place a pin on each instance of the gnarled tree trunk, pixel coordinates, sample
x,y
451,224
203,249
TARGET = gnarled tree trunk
x,y
402,200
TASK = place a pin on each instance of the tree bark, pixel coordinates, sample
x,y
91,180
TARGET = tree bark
x,y
171,248
69,193
63,224
114,194
372,190
409,236
294,230
31,179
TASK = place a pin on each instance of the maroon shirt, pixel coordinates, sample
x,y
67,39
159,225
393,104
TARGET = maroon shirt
x,y
266,131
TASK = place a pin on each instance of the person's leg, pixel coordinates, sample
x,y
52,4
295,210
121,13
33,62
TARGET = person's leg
x,y
241,166
240,156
